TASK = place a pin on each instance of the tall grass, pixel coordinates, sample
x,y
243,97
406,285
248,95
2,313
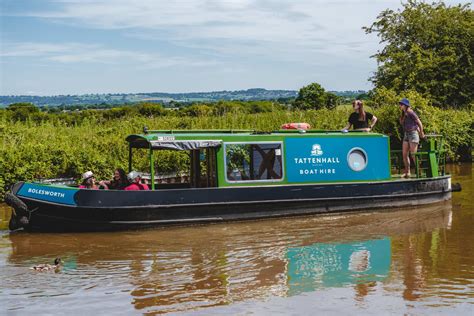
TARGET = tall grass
x,y
52,147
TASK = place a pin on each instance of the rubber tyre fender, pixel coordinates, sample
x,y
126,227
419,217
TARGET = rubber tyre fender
x,y
19,206
13,224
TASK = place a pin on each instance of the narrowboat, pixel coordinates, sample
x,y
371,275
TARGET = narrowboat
x,y
240,175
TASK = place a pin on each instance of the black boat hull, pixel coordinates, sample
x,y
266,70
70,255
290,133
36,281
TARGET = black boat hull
x,y
99,210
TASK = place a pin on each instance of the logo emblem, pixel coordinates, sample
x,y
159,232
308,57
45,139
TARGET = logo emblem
x,y
316,150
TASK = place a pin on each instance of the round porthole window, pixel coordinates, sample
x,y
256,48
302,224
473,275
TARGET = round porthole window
x,y
357,159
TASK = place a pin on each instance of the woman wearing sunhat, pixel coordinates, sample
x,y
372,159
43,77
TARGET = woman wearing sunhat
x,y
412,131
88,181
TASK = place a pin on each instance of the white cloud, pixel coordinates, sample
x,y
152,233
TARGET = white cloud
x,y
88,53
267,43
306,22
285,29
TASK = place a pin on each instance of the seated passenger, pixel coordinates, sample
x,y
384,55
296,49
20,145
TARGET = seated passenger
x,y
88,181
119,182
136,185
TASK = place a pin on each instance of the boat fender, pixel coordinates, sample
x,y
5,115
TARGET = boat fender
x,y
19,206
13,223
17,223
19,217
456,187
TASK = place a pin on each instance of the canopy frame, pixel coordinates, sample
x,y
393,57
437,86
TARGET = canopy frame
x,y
165,143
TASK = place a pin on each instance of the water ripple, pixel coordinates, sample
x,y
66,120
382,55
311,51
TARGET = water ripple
x,y
403,261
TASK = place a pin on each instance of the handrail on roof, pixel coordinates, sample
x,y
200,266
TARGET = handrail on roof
x,y
209,131
314,131
146,131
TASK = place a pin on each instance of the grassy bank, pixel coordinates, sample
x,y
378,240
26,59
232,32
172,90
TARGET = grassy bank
x,y
53,147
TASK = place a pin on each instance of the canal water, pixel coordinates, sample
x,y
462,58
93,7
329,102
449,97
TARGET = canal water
x,y
404,261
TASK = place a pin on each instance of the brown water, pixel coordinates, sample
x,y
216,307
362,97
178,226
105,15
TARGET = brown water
x,y
406,261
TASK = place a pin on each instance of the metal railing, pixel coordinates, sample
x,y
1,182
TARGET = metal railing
x,y
429,160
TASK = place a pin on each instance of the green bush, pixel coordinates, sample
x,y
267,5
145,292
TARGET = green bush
x,y
150,109
68,144
455,125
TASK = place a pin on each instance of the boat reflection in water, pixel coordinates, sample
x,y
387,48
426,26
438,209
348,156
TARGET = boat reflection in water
x,y
180,269
335,265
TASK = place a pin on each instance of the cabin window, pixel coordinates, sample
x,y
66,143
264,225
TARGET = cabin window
x,y
253,162
357,159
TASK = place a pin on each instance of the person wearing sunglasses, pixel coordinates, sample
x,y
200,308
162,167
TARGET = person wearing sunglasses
x,y
360,120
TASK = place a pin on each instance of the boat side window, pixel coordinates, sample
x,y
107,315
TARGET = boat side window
x,y
253,161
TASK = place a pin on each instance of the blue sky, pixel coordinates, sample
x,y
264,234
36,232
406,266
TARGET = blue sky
x,y
50,47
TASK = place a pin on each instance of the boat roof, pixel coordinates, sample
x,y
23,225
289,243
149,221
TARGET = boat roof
x,y
200,139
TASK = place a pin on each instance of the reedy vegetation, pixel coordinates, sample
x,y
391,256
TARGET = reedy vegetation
x,y
427,48
41,145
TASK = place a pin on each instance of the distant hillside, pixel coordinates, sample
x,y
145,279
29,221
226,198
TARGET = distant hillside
x,y
160,97
350,94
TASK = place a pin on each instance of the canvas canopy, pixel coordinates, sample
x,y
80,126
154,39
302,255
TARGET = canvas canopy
x,y
185,144
137,141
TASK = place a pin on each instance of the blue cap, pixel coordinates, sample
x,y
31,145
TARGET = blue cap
x,y
404,101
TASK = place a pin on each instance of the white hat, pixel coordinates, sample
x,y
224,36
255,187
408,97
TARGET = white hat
x,y
86,175
133,174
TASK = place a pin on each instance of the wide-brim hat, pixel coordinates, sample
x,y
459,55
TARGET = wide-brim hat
x,y
87,175
405,102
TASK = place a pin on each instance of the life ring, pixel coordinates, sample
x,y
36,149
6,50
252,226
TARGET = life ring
x,y
300,126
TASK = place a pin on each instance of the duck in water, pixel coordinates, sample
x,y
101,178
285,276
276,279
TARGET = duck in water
x,y
48,267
